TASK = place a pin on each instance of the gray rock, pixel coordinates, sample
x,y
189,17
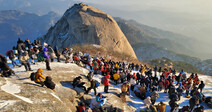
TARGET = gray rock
x,y
84,24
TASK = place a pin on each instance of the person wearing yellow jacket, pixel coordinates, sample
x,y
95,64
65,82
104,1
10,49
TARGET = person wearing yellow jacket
x,y
116,77
190,80
39,76
161,106
143,69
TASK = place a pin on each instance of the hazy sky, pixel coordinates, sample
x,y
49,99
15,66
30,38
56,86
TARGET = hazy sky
x,y
192,18
188,17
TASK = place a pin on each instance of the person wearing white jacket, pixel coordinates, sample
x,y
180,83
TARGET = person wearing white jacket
x,y
24,59
132,83
147,102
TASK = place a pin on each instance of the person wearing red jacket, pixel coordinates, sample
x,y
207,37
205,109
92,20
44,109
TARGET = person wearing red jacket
x,y
166,84
106,70
81,107
102,69
106,83
166,74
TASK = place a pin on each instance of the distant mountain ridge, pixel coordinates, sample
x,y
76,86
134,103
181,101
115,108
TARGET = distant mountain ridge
x,y
15,24
152,44
165,39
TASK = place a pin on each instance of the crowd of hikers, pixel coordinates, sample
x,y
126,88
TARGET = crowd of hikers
x,y
143,81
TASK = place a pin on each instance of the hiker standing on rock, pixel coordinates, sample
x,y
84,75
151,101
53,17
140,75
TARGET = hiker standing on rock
x,y
11,56
57,53
24,59
201,86
46,56
106,83
95,66
65,53
179,92
51,53
187,88
92,86
154,96
116,77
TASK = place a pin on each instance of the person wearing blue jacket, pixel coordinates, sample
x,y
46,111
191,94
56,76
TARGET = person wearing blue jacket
x,y
101,100
148,93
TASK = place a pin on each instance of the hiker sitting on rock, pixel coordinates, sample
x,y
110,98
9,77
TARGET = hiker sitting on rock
x,y
147,102
49,83
90,75
5,70
39,76
161,106
77,83
101,100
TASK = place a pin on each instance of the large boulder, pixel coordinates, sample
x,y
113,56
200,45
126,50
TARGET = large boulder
x,y
84,24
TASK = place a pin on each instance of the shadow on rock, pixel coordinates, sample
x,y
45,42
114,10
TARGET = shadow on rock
x,y
68,84
23,78
32,84
84,75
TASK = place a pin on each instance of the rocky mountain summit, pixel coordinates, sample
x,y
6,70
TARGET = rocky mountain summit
x,y
84,24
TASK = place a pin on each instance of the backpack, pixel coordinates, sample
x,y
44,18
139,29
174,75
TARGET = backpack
x,y
7,53
32,76
41,56
95,64
97,83
11,54
103,80
76,58
15,51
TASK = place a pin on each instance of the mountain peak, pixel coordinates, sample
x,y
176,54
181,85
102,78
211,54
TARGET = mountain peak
x,y
84,24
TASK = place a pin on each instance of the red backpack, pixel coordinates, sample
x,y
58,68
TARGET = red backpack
x,y
76,58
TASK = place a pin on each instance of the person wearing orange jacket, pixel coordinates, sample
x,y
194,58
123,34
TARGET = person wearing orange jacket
x,y
190,80
106,83
39,76
161,106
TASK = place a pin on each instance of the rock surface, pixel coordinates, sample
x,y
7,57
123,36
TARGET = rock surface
x,y
84,24
23,95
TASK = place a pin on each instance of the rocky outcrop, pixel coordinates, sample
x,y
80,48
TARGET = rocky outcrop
x,y
84,24
23,95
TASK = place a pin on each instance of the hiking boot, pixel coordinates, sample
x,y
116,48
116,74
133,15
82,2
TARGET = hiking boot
x,y
42,85
49,69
